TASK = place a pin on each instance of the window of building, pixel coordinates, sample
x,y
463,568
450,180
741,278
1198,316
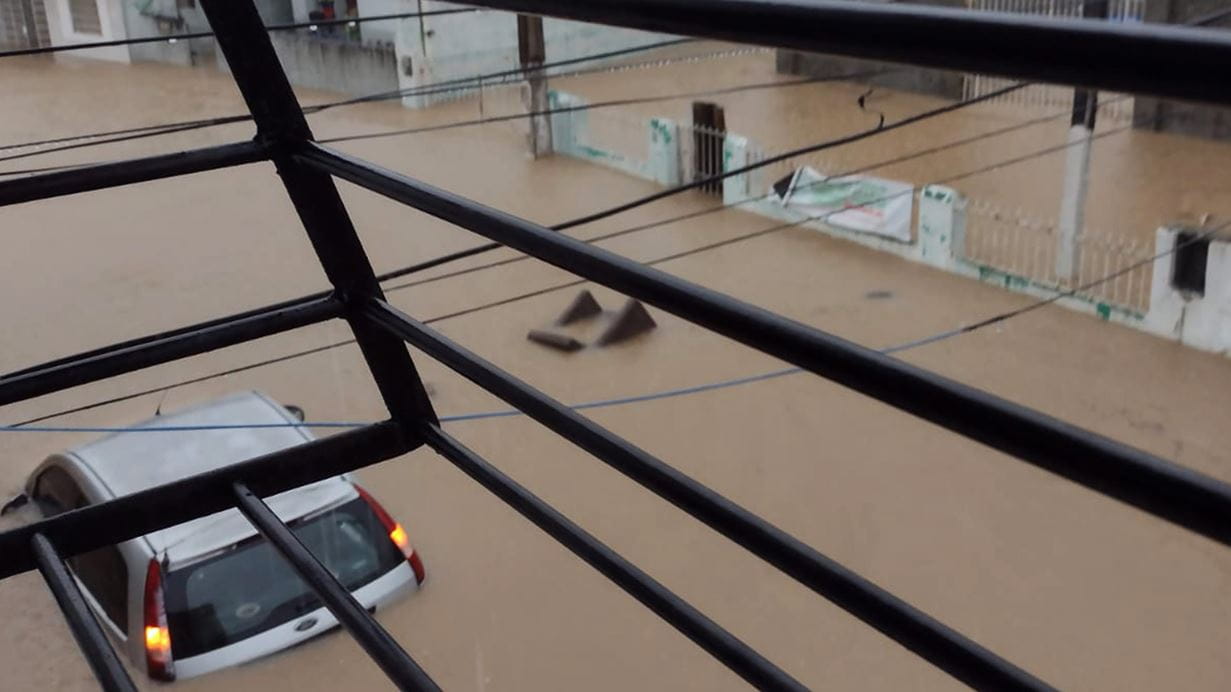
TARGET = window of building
x,y
85,17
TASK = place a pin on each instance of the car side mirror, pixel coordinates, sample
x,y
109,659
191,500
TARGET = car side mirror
x,y
296,411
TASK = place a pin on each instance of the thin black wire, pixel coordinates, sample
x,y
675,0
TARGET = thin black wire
x,y
556,287
206,34
138,134
597,105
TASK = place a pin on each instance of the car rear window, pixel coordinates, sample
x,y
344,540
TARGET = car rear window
x,y
250,589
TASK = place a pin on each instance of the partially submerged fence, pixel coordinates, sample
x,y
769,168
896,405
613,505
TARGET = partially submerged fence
x,y
1017,245
1004,247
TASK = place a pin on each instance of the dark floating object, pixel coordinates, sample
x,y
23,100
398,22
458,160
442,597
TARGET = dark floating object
x,y
631,320
560,342
878,295
582,307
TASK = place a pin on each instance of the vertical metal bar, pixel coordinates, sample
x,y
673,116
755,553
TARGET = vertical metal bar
x,y
709,635
281,125
89,635
383,649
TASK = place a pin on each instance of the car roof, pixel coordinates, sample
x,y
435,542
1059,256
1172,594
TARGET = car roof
x,y
127,462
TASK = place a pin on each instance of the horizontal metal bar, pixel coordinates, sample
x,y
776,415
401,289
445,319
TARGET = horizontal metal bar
x,y
694,624
1170,491
81,622
942,646
117,173
149,510
1138,58
382,647
109,362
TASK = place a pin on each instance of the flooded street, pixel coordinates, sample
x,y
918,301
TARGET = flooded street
x,y
1081,590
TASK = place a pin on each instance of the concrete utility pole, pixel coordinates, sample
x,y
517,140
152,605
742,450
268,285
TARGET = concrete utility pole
x,y
1077,167
29,24
533,53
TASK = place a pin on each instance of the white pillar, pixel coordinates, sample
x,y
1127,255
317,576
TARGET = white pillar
x,y
737,188
664,158
568,130
1073,203
942,226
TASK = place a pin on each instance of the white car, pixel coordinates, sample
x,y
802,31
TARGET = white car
x,y
210,593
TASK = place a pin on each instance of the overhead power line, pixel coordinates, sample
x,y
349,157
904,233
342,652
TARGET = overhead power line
x,y
523,296
614,103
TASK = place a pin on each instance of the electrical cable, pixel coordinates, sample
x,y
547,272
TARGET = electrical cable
x,y
598,105
138,134
538,292
173,38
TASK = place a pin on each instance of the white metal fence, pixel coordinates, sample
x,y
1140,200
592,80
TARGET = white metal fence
x,y
1017,245
1115,107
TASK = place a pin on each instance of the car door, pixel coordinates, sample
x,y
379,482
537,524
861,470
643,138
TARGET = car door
x,y
103,573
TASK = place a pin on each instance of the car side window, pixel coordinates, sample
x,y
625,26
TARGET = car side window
x,y
103,572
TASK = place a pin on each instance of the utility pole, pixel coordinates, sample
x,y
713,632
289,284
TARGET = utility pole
x,y
532,53
1077,167
30,25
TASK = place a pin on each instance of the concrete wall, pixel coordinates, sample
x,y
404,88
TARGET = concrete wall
x,y
1201,321
914,79
334,64
1178,116
163,17
111,16
461,45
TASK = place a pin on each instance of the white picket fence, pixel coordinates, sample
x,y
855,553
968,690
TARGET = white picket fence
x,y
1048,97
1020,246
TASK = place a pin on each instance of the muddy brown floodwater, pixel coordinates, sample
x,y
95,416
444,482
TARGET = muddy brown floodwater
x,y
1083,591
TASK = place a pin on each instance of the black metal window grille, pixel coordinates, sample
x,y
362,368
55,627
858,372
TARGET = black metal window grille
x,y
1162,61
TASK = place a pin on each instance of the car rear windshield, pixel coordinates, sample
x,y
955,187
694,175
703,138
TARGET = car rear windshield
x,y
250,588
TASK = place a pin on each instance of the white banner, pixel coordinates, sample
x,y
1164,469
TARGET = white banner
x,y
854,202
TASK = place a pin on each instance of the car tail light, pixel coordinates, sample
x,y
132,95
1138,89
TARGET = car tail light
x,y
397,534
157,635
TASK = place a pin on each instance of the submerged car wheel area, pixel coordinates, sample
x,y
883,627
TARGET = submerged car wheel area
x,y
212,592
